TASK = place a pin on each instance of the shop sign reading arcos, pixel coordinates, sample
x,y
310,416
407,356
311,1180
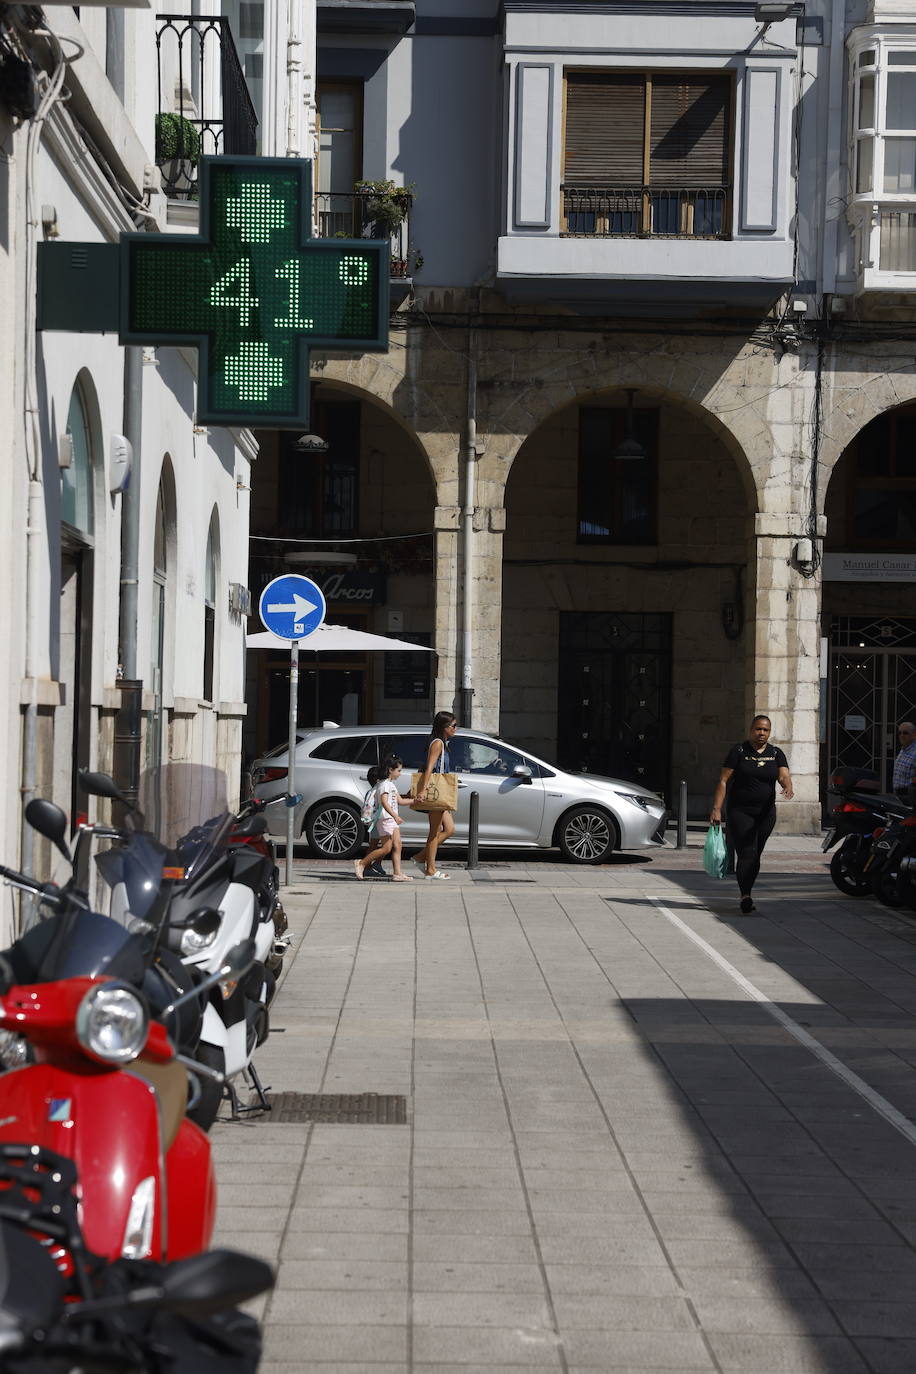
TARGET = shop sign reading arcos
x,y
253,291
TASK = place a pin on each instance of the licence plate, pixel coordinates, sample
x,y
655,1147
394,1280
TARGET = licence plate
x,y
828,840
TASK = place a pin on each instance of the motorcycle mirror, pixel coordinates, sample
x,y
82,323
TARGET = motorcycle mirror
x,y
240,958
101,785
254,825
211,1282
49,820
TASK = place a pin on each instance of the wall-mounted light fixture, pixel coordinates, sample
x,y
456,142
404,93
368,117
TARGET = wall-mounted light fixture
x,y
630,450
311,443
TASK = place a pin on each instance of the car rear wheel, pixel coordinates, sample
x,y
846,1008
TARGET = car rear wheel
x,y
334,830
586,835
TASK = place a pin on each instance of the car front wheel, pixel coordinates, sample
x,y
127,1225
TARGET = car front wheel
x,y
586,835
334,831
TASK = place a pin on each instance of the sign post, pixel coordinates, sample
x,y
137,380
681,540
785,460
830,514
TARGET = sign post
x,y
292,607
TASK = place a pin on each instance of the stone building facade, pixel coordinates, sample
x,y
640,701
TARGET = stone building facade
x,y
755,346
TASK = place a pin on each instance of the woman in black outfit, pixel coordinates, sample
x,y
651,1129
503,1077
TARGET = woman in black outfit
x,y
753,770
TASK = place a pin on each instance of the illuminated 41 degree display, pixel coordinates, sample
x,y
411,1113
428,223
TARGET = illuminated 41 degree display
x,y
254,291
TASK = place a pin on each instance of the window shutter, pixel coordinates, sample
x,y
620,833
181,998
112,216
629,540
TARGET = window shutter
x,y
605,120
689,131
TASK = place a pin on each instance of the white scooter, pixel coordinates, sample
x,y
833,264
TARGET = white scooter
x,y
211,867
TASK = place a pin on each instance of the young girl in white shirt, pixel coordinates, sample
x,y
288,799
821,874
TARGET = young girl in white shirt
x,y
387,827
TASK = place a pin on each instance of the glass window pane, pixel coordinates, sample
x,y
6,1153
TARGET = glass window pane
x,y
866,102
901,100
900,165
868,58
210,584
410,748
898,243
76,480
865,157
888,516
903,57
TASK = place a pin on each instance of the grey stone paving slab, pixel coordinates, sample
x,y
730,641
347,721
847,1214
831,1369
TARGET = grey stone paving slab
x,y
386,1276
770,1354
889,1356
338,1307
448,1248
351,1245
532,1347
450,1276
302,1346
787,1314
640,1350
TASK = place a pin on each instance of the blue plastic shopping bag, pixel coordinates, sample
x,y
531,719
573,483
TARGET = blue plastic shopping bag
x,y
715,858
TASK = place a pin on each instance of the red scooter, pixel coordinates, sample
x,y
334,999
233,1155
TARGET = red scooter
x,y
108,1090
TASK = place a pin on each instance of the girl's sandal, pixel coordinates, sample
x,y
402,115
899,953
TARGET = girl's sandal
x,y
401,878
438,876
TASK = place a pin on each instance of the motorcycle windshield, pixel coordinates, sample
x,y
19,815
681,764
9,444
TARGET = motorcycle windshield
x,y
192,802
140,865
80,944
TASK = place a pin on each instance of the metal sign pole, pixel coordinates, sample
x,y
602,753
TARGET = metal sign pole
x,y
291,757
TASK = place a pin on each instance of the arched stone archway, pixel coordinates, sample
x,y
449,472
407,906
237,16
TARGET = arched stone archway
x,y
869,589
624,645
359,519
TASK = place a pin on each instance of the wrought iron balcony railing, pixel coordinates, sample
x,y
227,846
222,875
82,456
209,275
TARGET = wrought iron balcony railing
x,y
347,215
689,212
204,103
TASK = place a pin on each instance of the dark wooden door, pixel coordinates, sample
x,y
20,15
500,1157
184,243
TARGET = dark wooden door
x,y
615,695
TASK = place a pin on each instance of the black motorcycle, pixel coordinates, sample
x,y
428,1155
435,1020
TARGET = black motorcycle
x,y
858,821
87,1316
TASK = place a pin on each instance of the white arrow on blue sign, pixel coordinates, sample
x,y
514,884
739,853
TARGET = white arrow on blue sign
x,y
292,607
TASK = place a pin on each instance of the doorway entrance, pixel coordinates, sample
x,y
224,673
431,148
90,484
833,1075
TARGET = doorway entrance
x,y
615,695
871,687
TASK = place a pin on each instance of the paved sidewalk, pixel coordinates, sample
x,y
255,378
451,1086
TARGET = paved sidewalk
x,y
615,1157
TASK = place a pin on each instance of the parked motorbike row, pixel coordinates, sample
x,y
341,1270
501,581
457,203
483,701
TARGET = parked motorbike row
x,y
876,834
120,1034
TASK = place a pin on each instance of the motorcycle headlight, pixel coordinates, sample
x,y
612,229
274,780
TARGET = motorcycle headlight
x,y
111,1023
193,941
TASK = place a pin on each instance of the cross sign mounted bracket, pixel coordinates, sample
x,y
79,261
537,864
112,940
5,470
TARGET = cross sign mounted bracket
x,y
252,291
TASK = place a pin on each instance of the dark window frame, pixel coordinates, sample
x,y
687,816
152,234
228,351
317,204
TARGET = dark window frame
x,y
600,474
880,445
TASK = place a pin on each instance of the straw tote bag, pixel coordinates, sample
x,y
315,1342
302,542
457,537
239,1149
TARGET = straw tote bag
x,y
441,790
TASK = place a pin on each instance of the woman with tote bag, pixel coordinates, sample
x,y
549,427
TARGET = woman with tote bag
x,y
441,784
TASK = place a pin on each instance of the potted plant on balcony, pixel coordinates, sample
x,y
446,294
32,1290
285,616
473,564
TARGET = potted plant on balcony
x,y
177,153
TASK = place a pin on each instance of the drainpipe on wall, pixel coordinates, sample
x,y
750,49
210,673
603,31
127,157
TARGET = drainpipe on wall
x,y
466,692
294,83
128,722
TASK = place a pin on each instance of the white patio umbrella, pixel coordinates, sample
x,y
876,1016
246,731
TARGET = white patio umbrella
x,y
337,639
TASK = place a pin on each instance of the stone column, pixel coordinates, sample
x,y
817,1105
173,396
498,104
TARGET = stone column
x,y
489,527
446,522
784,668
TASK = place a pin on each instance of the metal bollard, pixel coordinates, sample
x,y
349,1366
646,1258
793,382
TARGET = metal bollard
x,y
682,814
473,822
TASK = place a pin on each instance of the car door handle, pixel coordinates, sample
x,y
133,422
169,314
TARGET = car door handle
x,y
462,784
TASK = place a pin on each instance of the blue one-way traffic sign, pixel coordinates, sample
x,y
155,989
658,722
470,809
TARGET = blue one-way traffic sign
x,y
292,607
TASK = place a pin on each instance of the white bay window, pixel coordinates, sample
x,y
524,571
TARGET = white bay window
x,y
882,209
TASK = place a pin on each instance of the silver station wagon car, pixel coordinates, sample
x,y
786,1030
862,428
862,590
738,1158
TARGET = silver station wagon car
x,y
523,801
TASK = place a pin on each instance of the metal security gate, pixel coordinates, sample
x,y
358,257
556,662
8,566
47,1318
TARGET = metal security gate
x,y
871,687
615,695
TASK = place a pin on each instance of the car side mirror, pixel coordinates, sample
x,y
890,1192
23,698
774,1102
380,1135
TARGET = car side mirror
x,y
522,772
49,820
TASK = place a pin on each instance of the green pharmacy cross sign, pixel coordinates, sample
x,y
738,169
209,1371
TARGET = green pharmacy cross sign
x,y
253,291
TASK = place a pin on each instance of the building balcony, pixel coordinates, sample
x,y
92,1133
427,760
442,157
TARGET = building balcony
x,y
205,108
885,237
646,212
349,216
